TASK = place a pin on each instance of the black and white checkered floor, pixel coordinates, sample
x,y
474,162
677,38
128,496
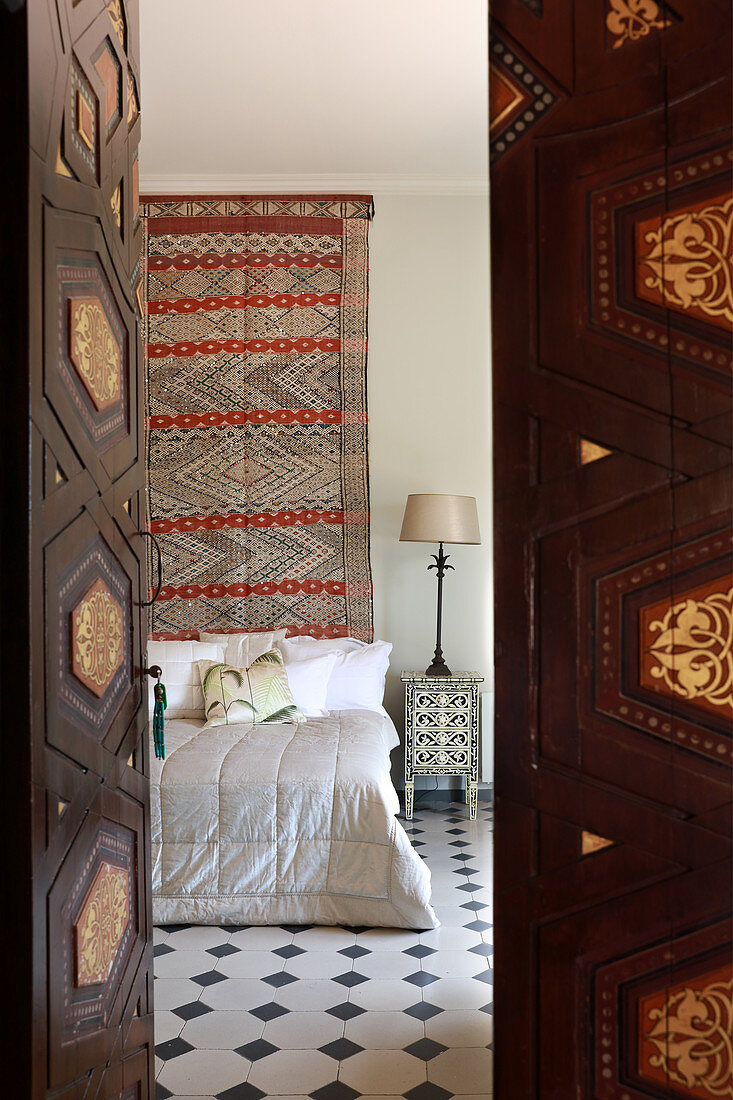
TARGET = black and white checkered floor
x,y
336,1013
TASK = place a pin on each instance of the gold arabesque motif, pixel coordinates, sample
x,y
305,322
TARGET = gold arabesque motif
x,y
116,203
693,649
692,1035
133,107
94,351
97,640
691,260
630,20
114,10
101,925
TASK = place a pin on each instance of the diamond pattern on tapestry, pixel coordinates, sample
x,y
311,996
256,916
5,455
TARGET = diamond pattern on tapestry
x,y
172,285
256,315
238,470
300,552
292,381
235,323
221,243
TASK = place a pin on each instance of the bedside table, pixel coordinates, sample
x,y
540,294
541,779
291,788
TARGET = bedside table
x,y
441,730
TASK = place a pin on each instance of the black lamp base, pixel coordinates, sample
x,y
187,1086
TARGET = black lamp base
x,y
438,670
439,667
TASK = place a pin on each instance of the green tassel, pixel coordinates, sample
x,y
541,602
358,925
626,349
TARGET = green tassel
x,y
161,702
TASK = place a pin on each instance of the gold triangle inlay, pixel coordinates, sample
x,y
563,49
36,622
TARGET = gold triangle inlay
x,y
591,452
62,167
61,806
592,842
504,97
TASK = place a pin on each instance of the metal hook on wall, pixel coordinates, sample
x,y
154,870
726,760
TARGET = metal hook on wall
x,y
159,557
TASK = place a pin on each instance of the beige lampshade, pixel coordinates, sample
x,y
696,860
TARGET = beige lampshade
x,y
440,517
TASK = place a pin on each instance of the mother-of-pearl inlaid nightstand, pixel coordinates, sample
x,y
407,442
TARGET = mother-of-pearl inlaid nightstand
x,y
441,730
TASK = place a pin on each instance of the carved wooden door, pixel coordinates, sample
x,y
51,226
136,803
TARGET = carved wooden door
x,y
81,970
612,216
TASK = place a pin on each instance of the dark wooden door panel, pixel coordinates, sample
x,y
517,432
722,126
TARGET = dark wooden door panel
x,y
598,208
621,961
81,760
612,215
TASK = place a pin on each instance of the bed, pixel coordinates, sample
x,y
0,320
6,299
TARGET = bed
x,y
283,823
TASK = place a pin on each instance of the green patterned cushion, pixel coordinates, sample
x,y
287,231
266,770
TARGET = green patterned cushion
x,y
260,693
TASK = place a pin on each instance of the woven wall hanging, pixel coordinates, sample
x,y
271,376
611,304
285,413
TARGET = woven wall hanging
x,y
256,314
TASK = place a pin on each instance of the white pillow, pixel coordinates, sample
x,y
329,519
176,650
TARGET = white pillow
x,y
181,675
357,681
244,647
300,647
308,681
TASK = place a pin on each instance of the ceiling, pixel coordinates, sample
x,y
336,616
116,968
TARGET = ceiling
x,y
390,95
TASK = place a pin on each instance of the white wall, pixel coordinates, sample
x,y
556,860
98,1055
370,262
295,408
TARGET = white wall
x,y
311,92
430,427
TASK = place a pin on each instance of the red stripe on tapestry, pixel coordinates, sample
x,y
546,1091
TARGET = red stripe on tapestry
x,y
250,416
252,301
212,347
246,223
189,261
259,519
263,588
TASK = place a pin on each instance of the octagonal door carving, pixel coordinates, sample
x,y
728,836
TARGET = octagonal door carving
x,y
82,957
97,638
102,925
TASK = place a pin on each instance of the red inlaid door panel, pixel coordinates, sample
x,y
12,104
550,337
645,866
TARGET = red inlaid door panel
x,y
612,284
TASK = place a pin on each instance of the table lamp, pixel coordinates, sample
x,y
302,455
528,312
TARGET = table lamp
x,y
440,517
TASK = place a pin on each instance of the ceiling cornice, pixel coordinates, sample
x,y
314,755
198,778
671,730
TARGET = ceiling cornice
x,y
172,184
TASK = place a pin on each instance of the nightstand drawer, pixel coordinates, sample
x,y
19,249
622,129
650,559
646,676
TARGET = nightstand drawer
x,y
431,759
437,699
442,719
438,737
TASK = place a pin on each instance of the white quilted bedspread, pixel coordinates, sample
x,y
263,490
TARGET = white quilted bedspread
x,y
283,824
